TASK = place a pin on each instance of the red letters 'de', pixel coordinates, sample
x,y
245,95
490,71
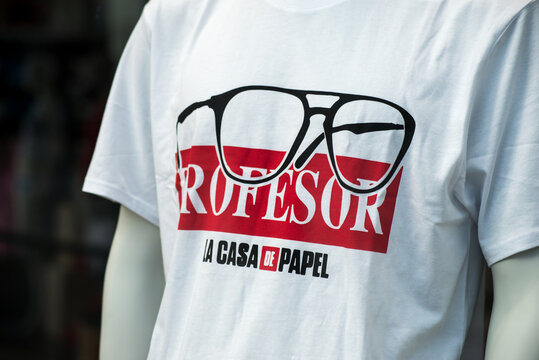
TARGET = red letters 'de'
x,y
269,258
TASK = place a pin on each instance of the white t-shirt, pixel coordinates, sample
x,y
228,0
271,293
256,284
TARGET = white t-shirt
x,y
344,167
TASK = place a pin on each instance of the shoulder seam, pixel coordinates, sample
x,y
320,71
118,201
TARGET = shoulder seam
x,y
147,25
509,24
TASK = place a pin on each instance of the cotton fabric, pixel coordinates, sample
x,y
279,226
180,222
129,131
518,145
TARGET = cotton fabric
x,y
403,263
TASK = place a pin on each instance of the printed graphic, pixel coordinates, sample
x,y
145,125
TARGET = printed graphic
x,y
268,174
274,259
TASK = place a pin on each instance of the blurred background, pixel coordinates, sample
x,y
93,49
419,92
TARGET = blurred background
x,y
57,60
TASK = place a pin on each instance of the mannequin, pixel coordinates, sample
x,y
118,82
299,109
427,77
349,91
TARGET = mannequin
x,y
514,323
134,284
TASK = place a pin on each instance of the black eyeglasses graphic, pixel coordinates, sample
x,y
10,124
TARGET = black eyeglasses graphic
x,y
219,104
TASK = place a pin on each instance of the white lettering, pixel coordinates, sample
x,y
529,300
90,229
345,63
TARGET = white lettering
x,y
247,190
374,214
372,210
305,197
229,188
191,192
274,193
326,204
268,259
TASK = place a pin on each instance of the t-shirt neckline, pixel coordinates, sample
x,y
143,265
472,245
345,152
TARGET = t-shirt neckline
x,y
304,5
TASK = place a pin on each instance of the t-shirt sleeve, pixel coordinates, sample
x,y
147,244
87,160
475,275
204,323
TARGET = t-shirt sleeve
x,y
502,178
122,167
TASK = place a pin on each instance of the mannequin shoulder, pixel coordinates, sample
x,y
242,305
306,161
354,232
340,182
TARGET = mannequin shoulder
x,y
131,225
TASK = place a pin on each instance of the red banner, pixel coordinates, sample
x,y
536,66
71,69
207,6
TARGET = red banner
x,y
307,205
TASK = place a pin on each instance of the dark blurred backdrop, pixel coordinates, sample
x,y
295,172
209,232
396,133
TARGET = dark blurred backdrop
x,y
57,59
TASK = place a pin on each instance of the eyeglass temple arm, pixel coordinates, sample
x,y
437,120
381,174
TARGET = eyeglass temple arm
x,y
355,128
190,109
181,118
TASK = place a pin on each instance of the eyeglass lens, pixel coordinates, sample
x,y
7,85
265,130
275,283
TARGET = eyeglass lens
x,y
245,131
365,136
366,139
